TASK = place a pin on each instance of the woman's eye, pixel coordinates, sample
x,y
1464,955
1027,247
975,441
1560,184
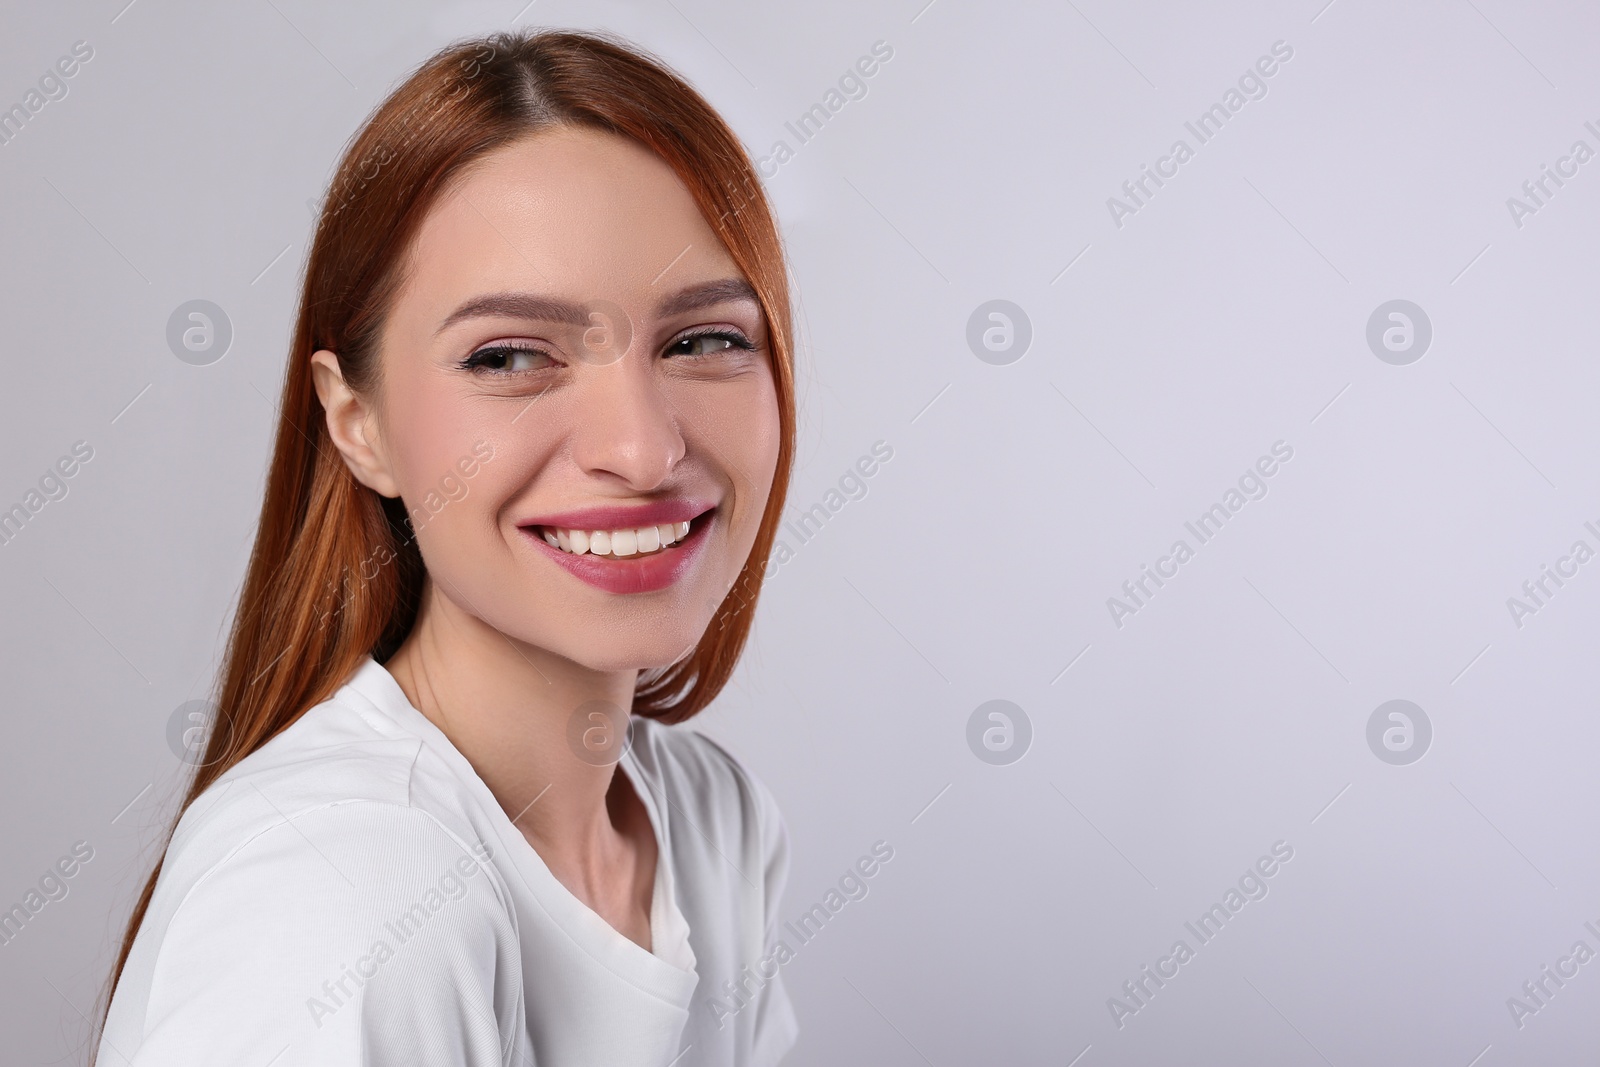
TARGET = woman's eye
x,y
507,359
709,344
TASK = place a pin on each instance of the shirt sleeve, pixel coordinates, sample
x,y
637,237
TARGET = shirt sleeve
x,y
359,934
776,1028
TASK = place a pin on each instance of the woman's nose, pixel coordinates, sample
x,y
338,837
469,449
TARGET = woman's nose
x,y
626,426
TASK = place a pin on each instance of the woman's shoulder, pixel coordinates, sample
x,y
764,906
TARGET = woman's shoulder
x,y
340,931
303,872
695,763
341,769
332,754
706,782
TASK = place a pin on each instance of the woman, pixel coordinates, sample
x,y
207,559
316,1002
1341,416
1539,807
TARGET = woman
x,y
535,438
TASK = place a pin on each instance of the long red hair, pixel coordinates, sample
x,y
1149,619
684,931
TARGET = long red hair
x,y
313,604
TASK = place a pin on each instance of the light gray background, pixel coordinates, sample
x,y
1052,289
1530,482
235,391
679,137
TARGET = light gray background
x,y
1168,354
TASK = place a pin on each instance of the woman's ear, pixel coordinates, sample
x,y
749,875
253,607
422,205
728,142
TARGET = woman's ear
x,y
353,425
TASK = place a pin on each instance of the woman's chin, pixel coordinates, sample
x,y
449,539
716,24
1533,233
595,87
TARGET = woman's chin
x,y
641,653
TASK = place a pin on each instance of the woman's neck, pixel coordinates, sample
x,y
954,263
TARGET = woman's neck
x,y
509,709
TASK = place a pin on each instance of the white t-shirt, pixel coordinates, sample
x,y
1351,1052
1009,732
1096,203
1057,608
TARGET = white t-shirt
x,y
352,895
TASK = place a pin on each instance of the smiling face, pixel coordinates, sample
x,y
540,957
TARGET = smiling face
x,y
569,313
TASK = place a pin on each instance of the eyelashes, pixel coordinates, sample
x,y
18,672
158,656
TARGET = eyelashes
x,y
508,358
500,358
737,341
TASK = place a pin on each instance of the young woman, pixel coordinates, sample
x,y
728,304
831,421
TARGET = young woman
x,y
535,438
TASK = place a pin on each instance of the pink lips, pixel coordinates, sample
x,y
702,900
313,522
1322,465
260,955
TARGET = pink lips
x,y
643,574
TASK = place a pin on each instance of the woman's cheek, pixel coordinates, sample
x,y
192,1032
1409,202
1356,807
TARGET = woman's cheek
x,y
739,420
751,433
448,485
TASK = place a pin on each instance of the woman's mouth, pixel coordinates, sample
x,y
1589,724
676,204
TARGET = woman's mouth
x,y
625,559
627,543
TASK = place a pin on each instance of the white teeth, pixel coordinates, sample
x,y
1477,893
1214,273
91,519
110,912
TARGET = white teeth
x,y
624,543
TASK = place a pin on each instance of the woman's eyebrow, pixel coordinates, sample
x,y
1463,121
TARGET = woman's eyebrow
x,y
706,294
518,305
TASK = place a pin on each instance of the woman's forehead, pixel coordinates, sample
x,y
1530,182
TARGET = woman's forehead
x,y
576,213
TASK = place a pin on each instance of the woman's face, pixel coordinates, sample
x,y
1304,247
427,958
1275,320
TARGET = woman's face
x,y
575,357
